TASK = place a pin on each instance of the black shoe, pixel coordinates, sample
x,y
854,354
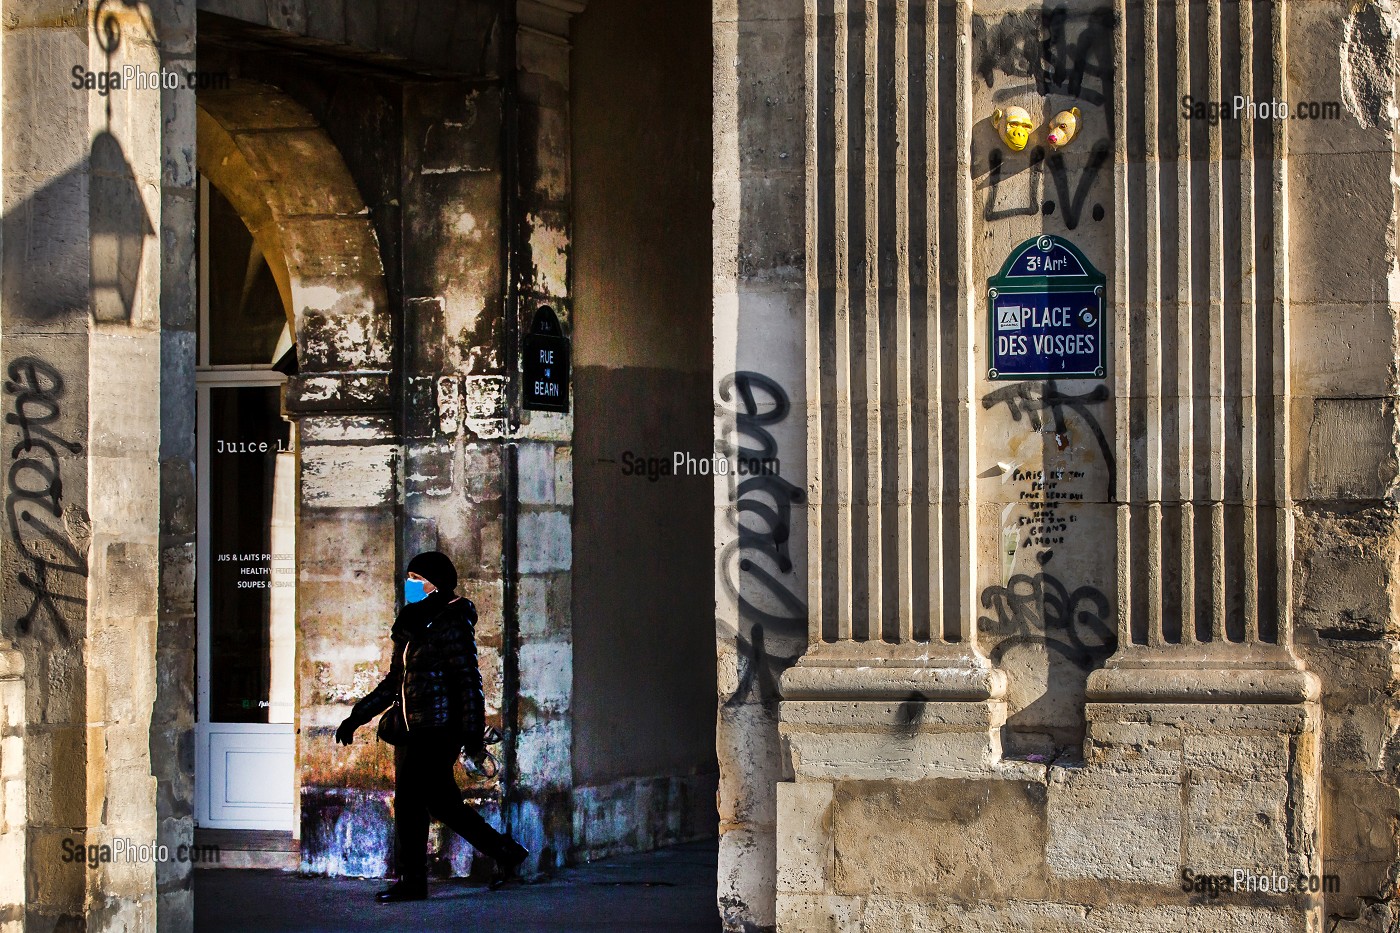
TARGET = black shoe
x,y
507,861
403,891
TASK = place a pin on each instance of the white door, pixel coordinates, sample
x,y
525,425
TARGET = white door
x,y
245,562
246,606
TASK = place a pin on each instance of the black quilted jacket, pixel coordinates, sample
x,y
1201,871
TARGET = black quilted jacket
x,y
433,673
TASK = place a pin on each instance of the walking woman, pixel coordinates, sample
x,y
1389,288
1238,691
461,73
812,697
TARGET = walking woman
x,y
433,708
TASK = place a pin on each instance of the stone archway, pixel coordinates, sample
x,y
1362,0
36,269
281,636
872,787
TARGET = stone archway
x,y
282,173
270,157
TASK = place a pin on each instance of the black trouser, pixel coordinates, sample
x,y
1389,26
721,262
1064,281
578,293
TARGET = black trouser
x,y
424,784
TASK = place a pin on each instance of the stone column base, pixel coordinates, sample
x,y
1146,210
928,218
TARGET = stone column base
x,y
904,816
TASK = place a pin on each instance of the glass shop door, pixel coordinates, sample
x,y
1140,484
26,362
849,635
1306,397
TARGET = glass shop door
x,y
245,540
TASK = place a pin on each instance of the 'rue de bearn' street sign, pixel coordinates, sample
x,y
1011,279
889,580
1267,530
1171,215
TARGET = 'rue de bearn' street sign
x,y
545,364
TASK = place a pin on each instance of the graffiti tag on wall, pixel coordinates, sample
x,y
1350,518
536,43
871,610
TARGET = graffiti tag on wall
x,y
1042,403
1054,50
1040,609
34,499
756,565
1032,54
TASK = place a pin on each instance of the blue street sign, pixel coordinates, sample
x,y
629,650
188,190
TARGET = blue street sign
x,y
1047,334
1045,314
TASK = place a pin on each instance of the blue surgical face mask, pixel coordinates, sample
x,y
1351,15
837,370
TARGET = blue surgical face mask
x,y
414,590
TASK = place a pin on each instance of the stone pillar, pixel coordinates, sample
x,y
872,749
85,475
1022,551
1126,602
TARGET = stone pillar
x,y
13,818
347,567
172,738
541,443
1204,497
1205,687
893,685
89,255
454,398
759,393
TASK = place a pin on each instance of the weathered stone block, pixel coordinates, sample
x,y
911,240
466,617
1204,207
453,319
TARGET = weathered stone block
x,y
750,764
11,757
1327,63
12,855
545,541
1351,449
804,841
820,913
342,477
870,756
56,781
780,256
543,754
1343,351
898,914
1361,844
747,876
1230,822
1230,919
52,881
428,470
533,607
943,837
771,97
546,674
1349,184
1115,824
536,469
564,475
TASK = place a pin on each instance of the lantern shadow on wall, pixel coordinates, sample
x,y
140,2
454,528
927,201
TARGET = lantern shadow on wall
x,y
118,227
90,216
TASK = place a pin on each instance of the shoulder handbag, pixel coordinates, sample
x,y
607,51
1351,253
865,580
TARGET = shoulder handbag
x,y
392,728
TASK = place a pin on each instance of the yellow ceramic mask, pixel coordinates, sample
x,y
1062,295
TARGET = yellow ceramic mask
x,y
1063,127
1015,126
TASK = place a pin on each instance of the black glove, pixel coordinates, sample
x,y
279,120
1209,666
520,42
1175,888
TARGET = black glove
x,y
346,733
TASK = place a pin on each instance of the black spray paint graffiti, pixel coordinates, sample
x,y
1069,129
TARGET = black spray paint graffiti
x,y
35,493
1058,51
1034,399
1072,200
752,564
1041,610
1063,54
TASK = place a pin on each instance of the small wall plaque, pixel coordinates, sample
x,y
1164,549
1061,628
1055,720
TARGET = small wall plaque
x,y
545,364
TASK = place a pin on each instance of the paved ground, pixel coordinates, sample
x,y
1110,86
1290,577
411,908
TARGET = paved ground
x,y
669,890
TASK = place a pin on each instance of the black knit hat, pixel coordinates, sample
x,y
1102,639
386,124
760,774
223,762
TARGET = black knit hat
x,y
435,567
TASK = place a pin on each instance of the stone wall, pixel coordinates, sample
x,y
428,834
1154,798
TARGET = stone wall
x,y
13,818
1343,307
928,833
540,559
1139,622
642,581
97,238
759,392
